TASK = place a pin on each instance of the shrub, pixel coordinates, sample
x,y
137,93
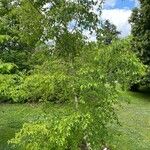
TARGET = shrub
x,y
7,68
58,133
8,81
8,87
90,84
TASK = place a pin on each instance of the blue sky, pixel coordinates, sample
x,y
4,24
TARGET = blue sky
x,y
118,12
125,4
120,4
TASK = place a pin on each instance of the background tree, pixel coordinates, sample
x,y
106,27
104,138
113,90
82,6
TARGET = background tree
x,y
140,22
29,23
141,31
20,30
107,33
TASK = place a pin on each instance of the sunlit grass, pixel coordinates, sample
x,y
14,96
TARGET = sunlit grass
x,y
134,116
134,132
12,117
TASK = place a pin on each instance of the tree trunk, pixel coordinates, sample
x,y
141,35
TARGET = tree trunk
x,y
84,145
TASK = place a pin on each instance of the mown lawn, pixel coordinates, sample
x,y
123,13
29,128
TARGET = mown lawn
x,y
12,116
134,132
135,123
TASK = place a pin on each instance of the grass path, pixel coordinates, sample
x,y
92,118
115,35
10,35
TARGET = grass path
x,y
134,118
135,121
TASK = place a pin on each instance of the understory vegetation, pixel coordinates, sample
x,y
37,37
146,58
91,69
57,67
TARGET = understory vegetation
x,y
89,86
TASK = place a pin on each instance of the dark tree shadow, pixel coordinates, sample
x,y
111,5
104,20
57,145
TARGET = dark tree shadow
x,y
143,92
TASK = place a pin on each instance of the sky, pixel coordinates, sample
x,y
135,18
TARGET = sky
x,y
118,13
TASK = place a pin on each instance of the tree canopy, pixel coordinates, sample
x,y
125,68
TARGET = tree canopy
x,y
141,31
107,33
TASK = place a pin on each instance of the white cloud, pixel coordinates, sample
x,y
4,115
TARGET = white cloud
x,y
137,3
119,17
91,37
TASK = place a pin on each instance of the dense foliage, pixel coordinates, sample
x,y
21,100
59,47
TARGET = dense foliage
x,y
88,87
107,33
45,57
29,23
141,31
141,34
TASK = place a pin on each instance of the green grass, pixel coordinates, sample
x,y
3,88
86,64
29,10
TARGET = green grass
x,y
12,117
135,123
134,132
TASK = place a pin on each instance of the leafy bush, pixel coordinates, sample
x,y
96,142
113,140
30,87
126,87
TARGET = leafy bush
x,y
4,38
8,86
8,80
7,68
90,84
18,57
58,132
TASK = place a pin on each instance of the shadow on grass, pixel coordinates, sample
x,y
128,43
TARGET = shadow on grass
x,y
143,93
